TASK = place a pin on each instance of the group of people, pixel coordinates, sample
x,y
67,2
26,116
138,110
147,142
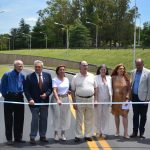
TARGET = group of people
x,y
86,90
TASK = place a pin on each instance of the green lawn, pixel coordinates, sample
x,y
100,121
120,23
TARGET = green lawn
x,y
93,56
3,69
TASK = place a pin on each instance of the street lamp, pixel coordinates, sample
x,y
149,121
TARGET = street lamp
x,y
139,32
67,32
134,46
96,31
29,39
45,39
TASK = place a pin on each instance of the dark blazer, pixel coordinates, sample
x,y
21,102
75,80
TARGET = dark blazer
x,y
32,90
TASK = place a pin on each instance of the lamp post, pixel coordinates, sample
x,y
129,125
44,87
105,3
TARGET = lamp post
x,y
96,36
139,38
9,42
134,46
45,39
29,39
67,32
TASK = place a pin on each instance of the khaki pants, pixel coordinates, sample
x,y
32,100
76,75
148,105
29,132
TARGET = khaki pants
x,y
84,114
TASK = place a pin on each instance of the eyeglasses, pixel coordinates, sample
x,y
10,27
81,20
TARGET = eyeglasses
x,y
38,67
85,65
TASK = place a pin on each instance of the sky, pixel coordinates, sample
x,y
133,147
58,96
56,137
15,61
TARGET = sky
x,y
14,10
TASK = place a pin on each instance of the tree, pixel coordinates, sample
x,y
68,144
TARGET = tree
x,y
20,40
38,37
145,36
4,43
79,36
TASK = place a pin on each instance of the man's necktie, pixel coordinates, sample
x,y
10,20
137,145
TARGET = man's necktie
x,y
40,82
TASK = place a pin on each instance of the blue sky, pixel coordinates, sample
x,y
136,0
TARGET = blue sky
x,y
27,9
143,8
17,9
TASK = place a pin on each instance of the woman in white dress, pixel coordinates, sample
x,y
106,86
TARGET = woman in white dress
x,y
104,94
61,114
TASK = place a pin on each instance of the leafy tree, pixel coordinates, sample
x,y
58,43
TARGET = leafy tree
x,y
20,40
79,36
145,36
38,35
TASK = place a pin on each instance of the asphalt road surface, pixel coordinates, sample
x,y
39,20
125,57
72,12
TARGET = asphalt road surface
x,y
111,143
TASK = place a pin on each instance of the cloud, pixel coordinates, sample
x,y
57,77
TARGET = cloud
x,y
31,20
5,11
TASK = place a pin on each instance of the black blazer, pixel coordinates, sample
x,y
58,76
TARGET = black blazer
x,y
32,90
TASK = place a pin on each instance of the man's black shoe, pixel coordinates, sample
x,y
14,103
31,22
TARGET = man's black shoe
x,y
133,135
9,142
32,141
19,141
88,139
43,139
142,136
77,139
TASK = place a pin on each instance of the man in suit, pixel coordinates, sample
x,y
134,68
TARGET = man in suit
x,y
12,84
38,87
140,93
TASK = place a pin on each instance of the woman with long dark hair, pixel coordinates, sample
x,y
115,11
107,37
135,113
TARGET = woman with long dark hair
x,y
104,94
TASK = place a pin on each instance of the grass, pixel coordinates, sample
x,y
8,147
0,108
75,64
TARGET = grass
x,y
3,69
92,56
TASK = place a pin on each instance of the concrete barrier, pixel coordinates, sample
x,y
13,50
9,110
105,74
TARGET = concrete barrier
x,y
48,62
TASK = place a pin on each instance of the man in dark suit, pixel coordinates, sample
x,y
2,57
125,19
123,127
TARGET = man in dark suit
x,y
38,87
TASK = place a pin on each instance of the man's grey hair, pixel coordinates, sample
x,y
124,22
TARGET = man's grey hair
x,y
18,62
38,62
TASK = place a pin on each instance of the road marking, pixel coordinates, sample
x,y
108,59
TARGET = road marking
x,y
92,145
104,144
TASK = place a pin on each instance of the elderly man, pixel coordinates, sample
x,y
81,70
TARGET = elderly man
x,y
84,91
38,87
12,91
140,93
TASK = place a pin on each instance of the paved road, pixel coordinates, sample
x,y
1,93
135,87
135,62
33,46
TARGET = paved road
x,y
112,142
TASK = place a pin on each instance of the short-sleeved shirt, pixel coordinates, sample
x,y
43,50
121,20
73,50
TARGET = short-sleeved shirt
x,y
83,85
62,86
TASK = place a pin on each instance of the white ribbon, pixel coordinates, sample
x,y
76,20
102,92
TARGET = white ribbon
x,y
78,103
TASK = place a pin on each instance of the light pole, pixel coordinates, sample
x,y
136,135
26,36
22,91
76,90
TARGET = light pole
x,y
67,32
134,46
29,39
139,32
13,42
9,42
96,36
45,39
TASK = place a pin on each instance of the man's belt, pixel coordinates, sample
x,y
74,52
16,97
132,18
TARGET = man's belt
x,y
13,95
85,96
63,95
